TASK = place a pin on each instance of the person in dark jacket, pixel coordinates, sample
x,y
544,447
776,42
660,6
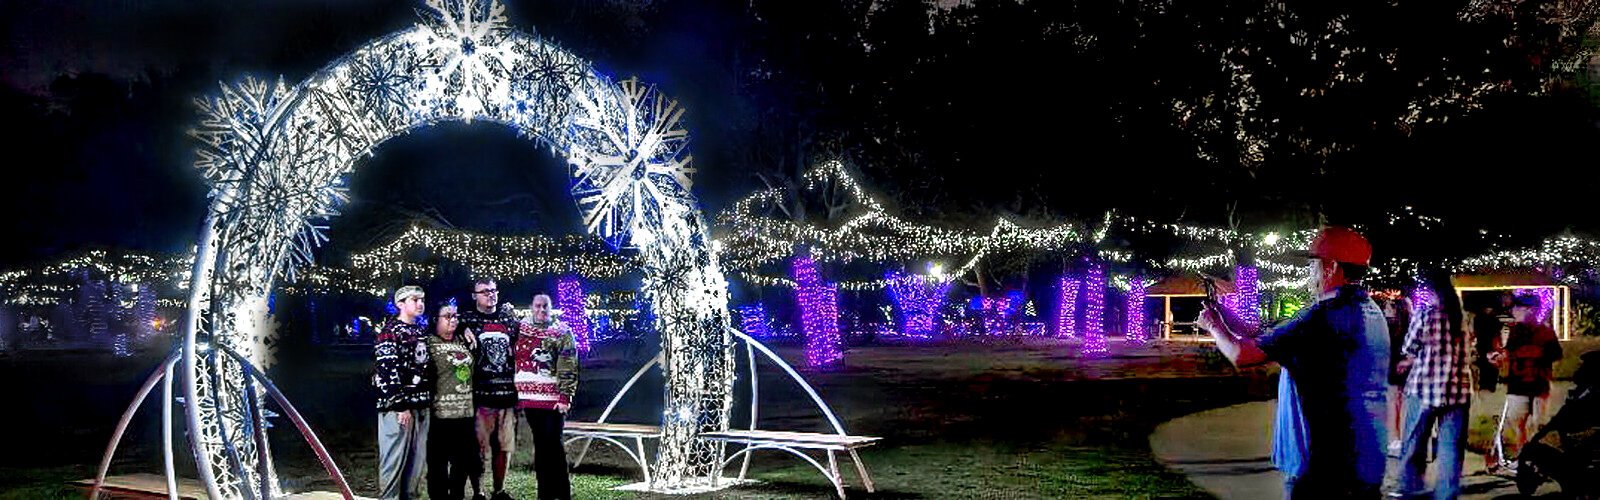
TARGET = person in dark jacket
x,y
403,377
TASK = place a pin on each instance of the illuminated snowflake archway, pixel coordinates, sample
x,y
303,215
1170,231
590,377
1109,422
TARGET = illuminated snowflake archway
x,y
275,157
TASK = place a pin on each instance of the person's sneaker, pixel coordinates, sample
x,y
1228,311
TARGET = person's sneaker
x,y
478,496
501,495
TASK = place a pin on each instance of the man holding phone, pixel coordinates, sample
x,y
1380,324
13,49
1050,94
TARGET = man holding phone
x,y
1330,428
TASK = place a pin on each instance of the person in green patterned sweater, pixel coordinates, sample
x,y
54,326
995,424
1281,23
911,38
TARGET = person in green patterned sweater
x,y
452,438
547,380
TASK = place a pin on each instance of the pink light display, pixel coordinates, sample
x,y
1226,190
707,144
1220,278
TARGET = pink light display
x,y
819,313
917,300
1247,305
1547,300
1094,309
1134,312
1067,306
569,298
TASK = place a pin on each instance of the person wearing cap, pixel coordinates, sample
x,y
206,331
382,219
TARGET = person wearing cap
x,y
403,377
1530,354
1437,388
1329,436
494,393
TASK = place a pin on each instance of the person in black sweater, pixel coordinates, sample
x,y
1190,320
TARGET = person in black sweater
x,y
494,392
402,374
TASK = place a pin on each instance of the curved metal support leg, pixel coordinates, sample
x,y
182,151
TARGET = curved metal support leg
x,y
649,480
299,422
794,375
256,425
656,361
833,470
834,479
122,425
861,468
166,430
638,459
755,397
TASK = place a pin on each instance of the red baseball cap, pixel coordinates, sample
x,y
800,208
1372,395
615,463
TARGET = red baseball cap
x,y
1340,244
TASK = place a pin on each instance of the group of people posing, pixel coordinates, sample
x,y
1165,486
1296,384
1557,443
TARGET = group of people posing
x,y
449,399
1330,434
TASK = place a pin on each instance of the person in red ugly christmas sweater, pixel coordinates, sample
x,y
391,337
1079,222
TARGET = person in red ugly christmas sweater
x,y
546,379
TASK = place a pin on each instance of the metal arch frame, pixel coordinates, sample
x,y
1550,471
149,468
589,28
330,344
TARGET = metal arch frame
x,y
164,373
751,346
751,343
607,414
160,374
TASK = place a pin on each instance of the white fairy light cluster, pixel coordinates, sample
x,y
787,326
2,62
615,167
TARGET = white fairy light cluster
x,y
500,257
756,239
275,157
53,283
1552,252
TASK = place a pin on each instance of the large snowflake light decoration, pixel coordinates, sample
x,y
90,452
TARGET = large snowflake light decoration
x,y
628,157
276,156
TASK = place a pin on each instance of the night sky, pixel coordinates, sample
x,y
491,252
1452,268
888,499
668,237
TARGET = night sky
x,y
982,121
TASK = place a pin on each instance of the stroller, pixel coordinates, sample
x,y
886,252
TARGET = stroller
x,y
1567,449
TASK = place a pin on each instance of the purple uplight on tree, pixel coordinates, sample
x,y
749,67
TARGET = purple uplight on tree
x,y
918,300
1547,300
1247,306
1094,310
569,298
1067,307
1135,330
753,320
819,313
1423,296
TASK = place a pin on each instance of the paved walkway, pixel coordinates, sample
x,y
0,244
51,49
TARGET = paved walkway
x,y
1225,451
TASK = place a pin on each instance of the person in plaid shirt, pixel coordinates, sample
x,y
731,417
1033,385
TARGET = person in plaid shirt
x,y
1438,387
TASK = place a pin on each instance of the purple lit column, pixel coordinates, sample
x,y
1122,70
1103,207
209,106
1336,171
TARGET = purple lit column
x,y
1067,307
1135,330
1248,305
819,313
569,298
1094,308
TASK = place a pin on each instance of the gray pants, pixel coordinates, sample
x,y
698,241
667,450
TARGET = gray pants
x,y
402,450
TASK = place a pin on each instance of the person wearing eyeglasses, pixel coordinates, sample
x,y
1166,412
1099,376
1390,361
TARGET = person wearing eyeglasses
x,y
494,390
453,453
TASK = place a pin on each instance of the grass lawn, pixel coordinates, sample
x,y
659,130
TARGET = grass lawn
x,y
959,420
